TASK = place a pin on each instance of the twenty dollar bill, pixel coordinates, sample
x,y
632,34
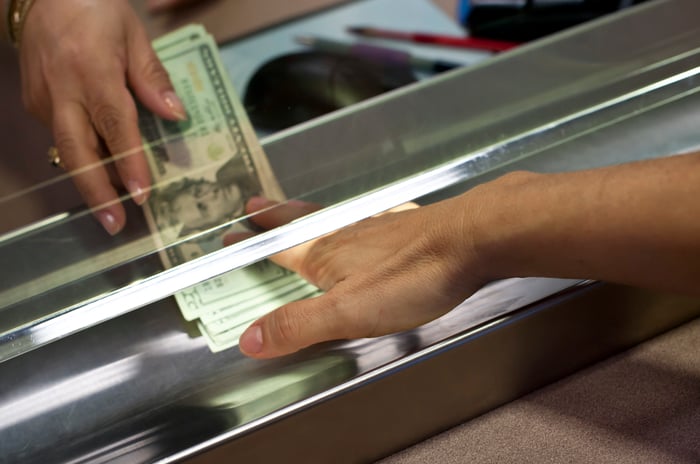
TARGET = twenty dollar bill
x,y
204,170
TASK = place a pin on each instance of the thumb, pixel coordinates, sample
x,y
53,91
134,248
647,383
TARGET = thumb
x,y
150,81
295,326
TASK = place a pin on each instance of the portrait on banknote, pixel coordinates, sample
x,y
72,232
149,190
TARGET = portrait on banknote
x,y
193,205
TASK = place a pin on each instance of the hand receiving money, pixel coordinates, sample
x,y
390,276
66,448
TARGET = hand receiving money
x,y
382,275
80,62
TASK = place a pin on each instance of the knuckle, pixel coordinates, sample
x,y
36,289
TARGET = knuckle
x,y
70,57
350,321
106,118
340,322
111,123
67,145
286,328
313,271
154,71
321,264
70,52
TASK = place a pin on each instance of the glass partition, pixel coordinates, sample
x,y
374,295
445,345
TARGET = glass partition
x,y
578,100
166,376
66,274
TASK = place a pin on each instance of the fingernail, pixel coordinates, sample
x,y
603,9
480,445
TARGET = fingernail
x,y
175,105
137,192
252,340
256,203
109,222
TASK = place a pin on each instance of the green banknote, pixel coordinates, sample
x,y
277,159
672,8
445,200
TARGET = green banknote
x,y
206,167
204,170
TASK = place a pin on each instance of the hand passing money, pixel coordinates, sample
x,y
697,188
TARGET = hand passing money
x,y
204,169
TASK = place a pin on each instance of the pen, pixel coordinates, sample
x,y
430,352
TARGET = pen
x,y
384,54
435,39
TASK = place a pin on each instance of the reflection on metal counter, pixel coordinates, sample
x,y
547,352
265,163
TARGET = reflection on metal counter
x,y
140,388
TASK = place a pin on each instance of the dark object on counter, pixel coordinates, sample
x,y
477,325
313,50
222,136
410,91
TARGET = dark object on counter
x,y
300,86
524,20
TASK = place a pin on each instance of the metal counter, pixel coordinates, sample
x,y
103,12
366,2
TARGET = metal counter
x,y
118,376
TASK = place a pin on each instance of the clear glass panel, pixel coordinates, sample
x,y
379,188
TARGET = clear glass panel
x,y
224,395
355,162
556,105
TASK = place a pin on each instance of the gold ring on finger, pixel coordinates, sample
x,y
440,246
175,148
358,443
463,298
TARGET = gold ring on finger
x,y
54,158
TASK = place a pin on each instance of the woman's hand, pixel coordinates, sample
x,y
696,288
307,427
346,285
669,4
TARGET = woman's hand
x,y
82,63
389,273
635,224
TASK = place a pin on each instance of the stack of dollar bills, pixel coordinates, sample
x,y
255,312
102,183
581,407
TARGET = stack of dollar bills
x,y
204,169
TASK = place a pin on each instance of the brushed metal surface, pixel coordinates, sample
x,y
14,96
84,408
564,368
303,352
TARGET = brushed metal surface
x,y
486,368
140,388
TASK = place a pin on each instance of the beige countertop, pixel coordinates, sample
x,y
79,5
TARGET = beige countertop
x,y
641,406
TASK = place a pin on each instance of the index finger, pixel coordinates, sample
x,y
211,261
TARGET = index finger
x,y
115,119
78,148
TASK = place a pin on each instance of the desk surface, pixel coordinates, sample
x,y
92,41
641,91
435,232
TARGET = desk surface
x,y
243,56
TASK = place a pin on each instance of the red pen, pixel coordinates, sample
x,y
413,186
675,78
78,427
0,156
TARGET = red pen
x,y
435,39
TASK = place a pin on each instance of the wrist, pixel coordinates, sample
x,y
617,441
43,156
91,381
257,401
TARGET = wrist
x,y
502,224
